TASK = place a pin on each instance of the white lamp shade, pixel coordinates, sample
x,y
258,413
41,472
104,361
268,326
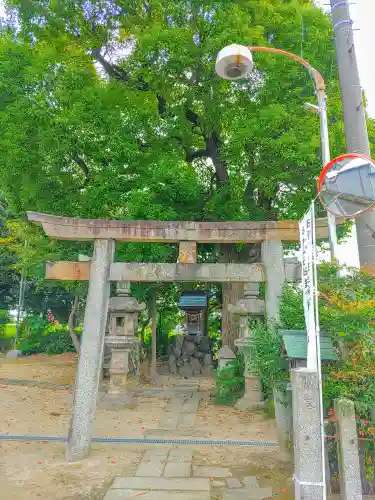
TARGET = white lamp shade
x,y
234,62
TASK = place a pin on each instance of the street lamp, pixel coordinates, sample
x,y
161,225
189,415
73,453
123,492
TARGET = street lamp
x,y
235,62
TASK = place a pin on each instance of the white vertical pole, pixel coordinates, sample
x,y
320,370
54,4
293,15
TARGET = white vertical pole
x,y
326,157
317,338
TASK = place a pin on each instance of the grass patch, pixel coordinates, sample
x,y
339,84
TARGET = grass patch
x,y
9,331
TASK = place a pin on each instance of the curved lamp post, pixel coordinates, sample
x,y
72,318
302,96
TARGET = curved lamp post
x,y
234,62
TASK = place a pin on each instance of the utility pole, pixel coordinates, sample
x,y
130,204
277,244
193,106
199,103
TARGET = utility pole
x,y
354,115
21,298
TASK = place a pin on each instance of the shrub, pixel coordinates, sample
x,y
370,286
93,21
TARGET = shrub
x,y
32,330
5,338
40,336
5,344
291,308
230,382
266,357
4,319
10,330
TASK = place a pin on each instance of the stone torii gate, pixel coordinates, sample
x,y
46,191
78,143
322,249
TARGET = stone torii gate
x,y
101,270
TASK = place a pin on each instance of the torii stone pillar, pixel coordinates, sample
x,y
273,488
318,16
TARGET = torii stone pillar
x,y
249,305
90,359
273,261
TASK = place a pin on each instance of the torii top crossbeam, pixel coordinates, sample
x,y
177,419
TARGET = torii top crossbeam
x,y
68,228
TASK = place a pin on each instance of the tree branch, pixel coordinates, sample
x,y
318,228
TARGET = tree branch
x,y
211,189
213,144
192,116
191,155
72,330
113,70
118,73
84,169
162,105
199,153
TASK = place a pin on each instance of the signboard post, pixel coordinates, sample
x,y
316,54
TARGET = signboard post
x,y
307,236
310,304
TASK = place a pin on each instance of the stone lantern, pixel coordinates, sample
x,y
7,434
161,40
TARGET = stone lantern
x,y
123,313
225,355
250,305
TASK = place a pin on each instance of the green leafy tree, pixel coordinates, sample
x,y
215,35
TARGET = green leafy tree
x,y
112,109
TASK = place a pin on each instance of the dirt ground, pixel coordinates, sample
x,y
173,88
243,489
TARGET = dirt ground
x,y
38,470
33,470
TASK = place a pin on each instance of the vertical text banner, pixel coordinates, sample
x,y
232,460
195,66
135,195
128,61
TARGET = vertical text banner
x,y
307,237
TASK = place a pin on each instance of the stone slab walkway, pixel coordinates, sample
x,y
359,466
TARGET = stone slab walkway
x,y
169,474
181,410
162,474
34,383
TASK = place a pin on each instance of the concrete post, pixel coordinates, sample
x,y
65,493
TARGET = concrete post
x,y
350,474
90,360
307,436
284,418
273,260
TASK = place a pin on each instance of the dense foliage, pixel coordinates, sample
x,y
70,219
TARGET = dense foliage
x,y
112,109
41,336
346,311
291,308
230,382
266,357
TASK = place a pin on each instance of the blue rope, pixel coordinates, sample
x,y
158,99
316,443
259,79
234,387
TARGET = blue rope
x,y
202,442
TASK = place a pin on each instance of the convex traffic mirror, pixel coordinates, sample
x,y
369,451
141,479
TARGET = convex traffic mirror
x,y
346,185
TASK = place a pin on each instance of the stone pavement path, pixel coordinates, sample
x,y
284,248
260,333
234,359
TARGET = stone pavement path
x,y
182,409
168,474
34,383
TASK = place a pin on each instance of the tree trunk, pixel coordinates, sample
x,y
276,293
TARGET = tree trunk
x,y
72,330
153,339
232,292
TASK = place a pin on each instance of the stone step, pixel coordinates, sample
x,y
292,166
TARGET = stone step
x,y
180,455
152,468
191,405
175,404
186,385
247,494
186,420
233,483
169,420
161,483
158,454
191,389
216,472
155,495
177,469
177,433
251,482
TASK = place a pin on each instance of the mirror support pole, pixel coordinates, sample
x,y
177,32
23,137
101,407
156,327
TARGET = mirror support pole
x,y
326,157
